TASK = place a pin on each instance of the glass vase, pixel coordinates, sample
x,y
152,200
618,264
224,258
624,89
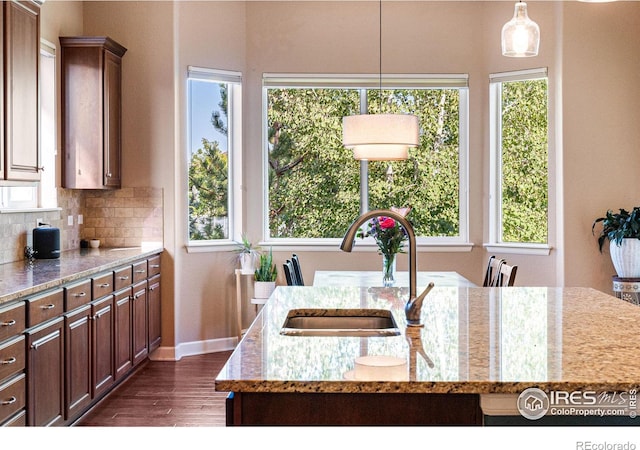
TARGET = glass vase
x,y
388,270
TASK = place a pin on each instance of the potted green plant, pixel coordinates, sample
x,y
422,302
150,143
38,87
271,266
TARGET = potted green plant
x,y
247,255
622,230
265,276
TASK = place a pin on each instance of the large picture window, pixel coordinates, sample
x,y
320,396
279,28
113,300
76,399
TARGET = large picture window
x,y
316,188
519,154
213,98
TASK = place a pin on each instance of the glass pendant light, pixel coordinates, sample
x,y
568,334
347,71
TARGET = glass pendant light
x,y
380,137
521,35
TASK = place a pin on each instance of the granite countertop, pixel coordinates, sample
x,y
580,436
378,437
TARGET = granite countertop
x,y
475,340
19,279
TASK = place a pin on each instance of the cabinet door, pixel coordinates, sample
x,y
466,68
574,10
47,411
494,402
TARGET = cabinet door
x,y
45,369
123,355
78,361
154,312
103,344
112,101
139,309
22,59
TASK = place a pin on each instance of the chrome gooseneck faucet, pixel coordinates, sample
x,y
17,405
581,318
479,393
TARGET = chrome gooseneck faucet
x,y
413,307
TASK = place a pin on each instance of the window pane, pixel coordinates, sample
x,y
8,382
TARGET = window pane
x,y
524,185
429,180
314,181
208,160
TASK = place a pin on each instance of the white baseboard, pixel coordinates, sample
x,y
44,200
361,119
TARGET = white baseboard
x,y
193,348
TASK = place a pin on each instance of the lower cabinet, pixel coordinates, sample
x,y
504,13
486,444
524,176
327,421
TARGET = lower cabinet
x,y
78,361
154,313
45,374
104,374
63,353
123,349
139,322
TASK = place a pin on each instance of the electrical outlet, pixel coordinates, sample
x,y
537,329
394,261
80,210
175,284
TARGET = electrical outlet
x,y
80,219
38,222
70,221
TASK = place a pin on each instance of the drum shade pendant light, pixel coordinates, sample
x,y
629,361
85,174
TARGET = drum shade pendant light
x,y
380,137
521,35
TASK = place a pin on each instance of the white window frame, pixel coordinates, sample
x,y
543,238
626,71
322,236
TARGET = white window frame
x,y
43,193
458,243
495,243
234,125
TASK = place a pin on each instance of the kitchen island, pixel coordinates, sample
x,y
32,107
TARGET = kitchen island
x,y
482,347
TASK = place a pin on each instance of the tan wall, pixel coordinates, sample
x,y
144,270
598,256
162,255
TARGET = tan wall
x,y
585,47
146,29
601,132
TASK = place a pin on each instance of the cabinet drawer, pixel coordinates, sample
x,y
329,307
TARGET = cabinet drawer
x,y
122,277
77,294
153,265
45,307
12,357
19,420
12,320
102,285
12,397
140,271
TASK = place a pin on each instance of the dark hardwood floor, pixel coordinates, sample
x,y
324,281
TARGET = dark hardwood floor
x,y
166,394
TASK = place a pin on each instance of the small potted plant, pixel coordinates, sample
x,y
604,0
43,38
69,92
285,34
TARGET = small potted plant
x,y
265,276
247,255
622,230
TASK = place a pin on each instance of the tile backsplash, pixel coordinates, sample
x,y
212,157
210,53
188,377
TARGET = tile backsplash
x,y
124,217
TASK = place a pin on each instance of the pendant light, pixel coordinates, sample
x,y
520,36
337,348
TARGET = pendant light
x,y
521,35
380,137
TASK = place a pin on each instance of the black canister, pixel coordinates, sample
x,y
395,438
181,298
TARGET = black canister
x,y
46,242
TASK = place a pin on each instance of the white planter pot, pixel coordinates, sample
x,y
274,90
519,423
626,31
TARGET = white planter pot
x,y
247,263
626,257
263,289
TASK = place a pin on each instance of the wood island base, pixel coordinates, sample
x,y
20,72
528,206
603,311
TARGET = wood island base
x,y
336,409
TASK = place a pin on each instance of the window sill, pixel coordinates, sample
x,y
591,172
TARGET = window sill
x,y
361,246
519,249
28,210
210,246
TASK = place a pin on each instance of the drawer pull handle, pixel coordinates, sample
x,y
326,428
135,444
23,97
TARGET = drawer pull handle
x,y
80,294
140,271
125,277
152,288
49,306
10,401
155,266
138,295
8,361
104,285
9,323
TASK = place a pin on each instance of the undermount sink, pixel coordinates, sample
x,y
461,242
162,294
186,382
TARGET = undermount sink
x,y
340,322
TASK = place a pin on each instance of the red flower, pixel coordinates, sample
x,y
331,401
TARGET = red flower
x,y
386,222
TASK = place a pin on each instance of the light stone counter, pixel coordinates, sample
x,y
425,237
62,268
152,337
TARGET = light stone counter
x,y
20,279
374,278
478,341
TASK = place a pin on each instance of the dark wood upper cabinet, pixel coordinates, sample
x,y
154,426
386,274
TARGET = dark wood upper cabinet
x,y
91,112
19,124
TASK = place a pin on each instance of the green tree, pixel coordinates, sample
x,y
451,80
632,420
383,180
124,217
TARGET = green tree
x,y
209,181
313,179
314,182
524,161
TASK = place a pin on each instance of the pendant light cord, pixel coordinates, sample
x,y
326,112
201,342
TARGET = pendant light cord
x,y
380,55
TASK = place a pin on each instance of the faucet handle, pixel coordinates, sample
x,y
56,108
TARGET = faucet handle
x,y
413,308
